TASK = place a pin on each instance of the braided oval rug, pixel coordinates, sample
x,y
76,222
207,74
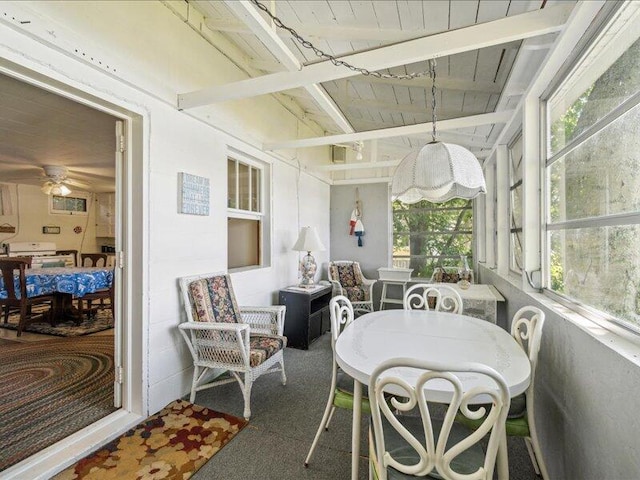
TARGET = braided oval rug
x,y
50,389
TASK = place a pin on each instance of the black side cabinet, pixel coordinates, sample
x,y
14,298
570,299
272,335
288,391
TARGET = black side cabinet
x,y
307,314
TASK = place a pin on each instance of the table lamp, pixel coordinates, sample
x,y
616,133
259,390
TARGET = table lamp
x,y
308,241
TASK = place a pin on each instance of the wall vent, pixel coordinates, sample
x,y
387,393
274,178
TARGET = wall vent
x,y
338,154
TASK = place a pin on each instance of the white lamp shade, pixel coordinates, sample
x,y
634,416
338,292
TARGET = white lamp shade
x,y
308,241
437,173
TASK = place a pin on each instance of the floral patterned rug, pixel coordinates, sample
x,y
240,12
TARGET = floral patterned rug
x,y
172,444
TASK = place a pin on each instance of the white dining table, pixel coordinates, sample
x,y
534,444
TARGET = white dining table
x,y
432,336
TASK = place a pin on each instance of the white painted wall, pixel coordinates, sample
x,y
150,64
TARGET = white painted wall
x,y
156,55
31,213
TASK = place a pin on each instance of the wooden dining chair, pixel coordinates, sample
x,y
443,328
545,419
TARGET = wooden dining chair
x,y
73,254
93,259
426,296
17,299
406,446
341,390
85,302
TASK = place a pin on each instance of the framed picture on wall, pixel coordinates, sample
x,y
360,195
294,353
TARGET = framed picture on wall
x,y
193,194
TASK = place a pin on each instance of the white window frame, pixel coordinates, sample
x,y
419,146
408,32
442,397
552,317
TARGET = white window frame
x,y
512,186
548,159
261,214
85,196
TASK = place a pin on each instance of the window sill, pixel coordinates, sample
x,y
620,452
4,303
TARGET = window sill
x,y
618,339
622,341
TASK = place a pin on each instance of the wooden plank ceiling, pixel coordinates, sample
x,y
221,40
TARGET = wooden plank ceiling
x,y
472,82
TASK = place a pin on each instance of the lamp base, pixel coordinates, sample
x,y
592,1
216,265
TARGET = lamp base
x,y
308,269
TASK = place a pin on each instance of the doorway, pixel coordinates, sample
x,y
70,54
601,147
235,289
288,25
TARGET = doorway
x,y
44,123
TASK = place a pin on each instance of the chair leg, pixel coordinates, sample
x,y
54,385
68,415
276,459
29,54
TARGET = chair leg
x,y
283,375
536,457
324,423
194,383
23,319
326,427
246,393
6,314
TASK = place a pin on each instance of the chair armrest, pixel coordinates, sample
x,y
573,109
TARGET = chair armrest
x,y
217,345
268,320
336,286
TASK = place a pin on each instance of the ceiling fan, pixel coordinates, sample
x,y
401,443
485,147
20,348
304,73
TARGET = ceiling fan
x,y
54,186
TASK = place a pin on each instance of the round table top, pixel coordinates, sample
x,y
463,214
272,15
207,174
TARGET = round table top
x,y
433,336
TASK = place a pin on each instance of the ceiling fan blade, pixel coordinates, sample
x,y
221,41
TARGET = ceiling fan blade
x,y
77,183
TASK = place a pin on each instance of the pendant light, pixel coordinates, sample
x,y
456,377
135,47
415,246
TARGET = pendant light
x,y
439,171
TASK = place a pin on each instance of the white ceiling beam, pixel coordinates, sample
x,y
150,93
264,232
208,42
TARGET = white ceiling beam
x,y
365,165
361,103
420,128
442,83
327,32
360,181
245,10
475,37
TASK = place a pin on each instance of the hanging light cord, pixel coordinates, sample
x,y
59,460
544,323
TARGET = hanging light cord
x,y
434,117
338,63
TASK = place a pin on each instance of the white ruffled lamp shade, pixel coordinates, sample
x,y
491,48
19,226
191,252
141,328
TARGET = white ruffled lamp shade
x,y
437,173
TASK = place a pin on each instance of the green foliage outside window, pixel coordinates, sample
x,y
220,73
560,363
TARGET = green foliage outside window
x,y
426,235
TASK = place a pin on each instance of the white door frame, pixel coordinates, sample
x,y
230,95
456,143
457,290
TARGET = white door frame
x,y
131,243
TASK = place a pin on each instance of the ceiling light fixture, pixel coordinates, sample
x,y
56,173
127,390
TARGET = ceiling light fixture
x,y
439,171
359,148
54,185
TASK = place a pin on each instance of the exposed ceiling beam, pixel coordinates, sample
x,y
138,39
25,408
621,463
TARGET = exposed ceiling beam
x,y
420,128
475,37
259,26
327,32
369,165
443,83
360,103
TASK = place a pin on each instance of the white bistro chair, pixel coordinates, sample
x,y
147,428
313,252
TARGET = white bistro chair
x,y
341,390
406,446
426,296
246,341
526,328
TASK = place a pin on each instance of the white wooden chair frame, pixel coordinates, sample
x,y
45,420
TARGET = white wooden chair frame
x,y
526,328
228,350
447,298
342,315
433,454
366,306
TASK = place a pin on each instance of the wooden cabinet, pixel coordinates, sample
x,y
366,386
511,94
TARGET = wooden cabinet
x,y
307,314
105,215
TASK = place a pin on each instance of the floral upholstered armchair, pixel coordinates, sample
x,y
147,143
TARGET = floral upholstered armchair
x,y
347,279
246,341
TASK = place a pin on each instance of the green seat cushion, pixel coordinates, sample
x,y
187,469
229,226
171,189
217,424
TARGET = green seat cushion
x,y
344,383
344,393
516,426
466,463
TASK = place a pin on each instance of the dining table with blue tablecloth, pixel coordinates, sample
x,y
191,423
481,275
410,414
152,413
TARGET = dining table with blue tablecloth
x,y
65,283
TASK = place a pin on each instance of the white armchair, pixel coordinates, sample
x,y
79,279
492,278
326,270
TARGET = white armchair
x,y
347,279
222,336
